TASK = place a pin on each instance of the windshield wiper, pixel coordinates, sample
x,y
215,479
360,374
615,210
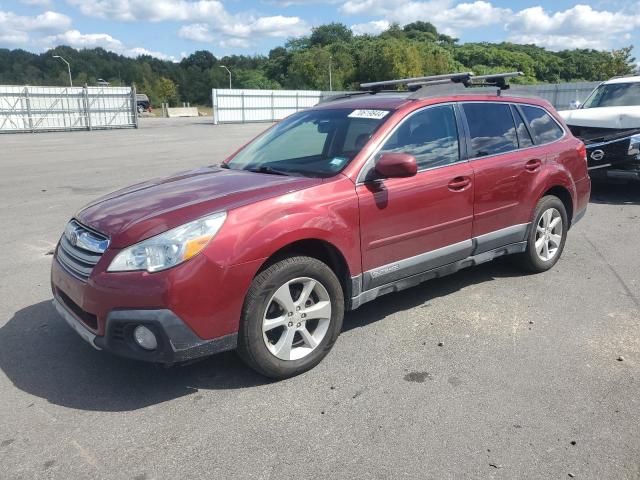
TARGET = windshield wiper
x,y
269,170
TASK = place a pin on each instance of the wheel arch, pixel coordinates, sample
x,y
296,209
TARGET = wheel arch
x,y
565,197
321,250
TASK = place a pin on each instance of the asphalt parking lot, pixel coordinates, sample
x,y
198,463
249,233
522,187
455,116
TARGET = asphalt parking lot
x,y
537,376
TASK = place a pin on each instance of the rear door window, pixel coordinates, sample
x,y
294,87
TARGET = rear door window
x,y
543,127
491,128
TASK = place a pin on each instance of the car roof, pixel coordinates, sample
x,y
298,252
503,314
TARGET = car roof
x,y
365,100
396,100
629,79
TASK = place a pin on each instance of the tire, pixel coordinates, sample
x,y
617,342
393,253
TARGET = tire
x,y
548,233
276,302
140,109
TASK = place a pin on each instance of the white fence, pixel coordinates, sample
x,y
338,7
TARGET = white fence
x,y
240,106
559,94
37,109
243,106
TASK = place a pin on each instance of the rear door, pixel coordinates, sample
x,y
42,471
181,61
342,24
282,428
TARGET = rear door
x,y
504,172
411,225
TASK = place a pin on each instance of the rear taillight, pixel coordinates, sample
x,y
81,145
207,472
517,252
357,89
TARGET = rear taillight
x,y
582,151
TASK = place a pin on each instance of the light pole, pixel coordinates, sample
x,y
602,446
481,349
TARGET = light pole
x,y
229,72
68,68
330,74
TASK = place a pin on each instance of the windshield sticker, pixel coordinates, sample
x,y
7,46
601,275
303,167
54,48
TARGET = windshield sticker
x,y
372,114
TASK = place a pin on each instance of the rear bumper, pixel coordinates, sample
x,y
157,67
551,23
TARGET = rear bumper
x,y
176,341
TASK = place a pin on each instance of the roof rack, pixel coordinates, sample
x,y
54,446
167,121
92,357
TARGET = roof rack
x,y
468,79
449,77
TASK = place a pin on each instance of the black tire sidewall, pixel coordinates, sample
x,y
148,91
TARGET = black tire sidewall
x,y
534,262
251,344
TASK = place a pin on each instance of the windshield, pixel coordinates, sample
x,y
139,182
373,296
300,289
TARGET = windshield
x,y
317,143
614,95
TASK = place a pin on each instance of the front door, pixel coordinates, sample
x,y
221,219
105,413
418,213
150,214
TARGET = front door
x,y
411,225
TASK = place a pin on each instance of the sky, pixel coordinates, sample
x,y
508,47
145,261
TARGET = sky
x,y
173,29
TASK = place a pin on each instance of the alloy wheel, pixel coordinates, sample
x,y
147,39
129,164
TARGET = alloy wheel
x,y
548,234
296,319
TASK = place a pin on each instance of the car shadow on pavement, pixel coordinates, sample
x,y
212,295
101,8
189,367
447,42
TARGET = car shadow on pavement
x,y
627,193
42,356
420,295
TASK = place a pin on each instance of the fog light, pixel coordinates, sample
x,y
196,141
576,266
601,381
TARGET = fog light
x,y
145,338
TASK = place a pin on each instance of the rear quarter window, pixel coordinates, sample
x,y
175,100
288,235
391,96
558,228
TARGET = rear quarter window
x,y
542,126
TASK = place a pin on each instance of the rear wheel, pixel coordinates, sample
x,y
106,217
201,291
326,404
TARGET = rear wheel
x,y
291,318
547,235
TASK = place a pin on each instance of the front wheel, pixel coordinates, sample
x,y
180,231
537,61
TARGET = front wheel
x,y
291,317
547,235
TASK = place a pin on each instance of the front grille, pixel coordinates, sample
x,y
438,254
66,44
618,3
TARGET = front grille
x,y
615,151
80,249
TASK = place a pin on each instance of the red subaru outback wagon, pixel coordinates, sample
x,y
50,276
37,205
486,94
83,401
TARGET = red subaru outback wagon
x,y
328,209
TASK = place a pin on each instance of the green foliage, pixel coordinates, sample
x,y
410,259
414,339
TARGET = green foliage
x,y
413,50
331,33
165,90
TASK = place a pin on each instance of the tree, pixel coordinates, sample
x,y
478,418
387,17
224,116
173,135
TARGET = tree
x,y
166,90
621,62
329,34
425,27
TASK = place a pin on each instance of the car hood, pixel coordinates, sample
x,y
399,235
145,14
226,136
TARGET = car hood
x,y
141,211
603,117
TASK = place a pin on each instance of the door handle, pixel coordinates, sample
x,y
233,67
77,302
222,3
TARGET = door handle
x,y
459,183
533,165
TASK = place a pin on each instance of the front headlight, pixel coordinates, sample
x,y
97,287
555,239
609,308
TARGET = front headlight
x,y
169,248
634,146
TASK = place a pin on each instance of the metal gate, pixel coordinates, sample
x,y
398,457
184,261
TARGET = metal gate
x,y
41,109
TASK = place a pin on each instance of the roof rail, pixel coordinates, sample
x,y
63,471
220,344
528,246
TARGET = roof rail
x,y
449,77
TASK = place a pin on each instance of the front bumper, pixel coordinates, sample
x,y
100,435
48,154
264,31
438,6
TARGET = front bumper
x,y
194,308
610,159
176,342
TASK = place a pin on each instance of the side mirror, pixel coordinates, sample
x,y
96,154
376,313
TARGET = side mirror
x,y
575,105
396,165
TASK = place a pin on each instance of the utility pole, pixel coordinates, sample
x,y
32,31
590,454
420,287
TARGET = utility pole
x,y
229,72
68,68
330,74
